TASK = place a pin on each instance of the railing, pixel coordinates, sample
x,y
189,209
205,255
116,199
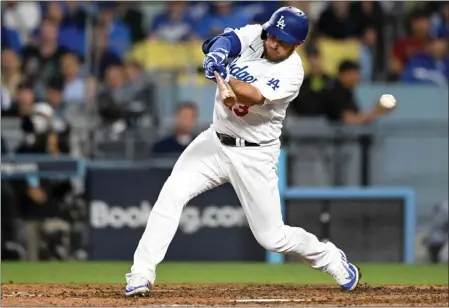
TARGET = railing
x,y
30,166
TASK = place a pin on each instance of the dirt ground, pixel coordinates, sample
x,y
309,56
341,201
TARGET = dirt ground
x,y
223,295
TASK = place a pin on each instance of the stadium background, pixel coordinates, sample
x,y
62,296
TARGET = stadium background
x,y
100,98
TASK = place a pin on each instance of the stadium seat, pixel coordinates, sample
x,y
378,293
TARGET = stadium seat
x,y
332,53
185,58
154,54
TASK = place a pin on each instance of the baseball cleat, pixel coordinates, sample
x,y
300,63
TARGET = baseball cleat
x,y
346,274
137,286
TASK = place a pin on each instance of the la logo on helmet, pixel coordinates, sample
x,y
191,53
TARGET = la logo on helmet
x,y
281,22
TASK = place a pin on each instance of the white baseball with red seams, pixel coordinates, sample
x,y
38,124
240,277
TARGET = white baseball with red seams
x,y
252,171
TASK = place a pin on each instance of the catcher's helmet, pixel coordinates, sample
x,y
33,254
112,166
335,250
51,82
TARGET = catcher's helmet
x,y
288,24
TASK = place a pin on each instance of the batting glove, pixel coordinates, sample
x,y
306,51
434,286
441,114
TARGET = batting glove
x,y
221,69
212,59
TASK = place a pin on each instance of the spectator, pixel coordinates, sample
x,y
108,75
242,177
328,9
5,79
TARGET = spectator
x,y
414,43
312,8
41,198
198,9
53,11
223,15
258,11
431,67
125,83
72,35
61,121
101,55
309,102
304,6
55,95
368,44
74,85
136,82
368,14
369,17
174,25
339,102
11,74
75,16
40,60
437,238
115,82
119,37
440,21
185,122
125,97
12,230
133,19
4,146
41,135
35,126
335,22
24,104
111,98
52,130
6,101
133,71
22,16
139,90
11,39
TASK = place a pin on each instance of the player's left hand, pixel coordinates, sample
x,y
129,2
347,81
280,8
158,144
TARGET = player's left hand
x,y
221,69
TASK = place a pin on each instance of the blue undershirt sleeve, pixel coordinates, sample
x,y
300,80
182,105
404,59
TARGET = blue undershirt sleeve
x,y
228,41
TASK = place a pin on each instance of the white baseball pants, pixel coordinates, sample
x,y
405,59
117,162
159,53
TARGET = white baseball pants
x,y
252,171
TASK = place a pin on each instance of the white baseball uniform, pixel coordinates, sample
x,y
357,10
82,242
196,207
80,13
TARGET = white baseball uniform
x,y
252,171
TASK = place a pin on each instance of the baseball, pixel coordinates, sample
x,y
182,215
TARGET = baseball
x,y
388,101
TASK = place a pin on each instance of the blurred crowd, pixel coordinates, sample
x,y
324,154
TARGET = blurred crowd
x,y
64,61
74,54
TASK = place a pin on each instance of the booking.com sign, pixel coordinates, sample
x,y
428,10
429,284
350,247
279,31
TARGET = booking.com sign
x,y
193,218
213,226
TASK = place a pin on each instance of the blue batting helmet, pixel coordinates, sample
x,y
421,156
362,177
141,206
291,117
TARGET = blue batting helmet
x,y
288,24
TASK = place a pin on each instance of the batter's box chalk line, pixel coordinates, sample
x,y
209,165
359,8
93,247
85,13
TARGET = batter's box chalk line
x,y
178,306
22,294
270,300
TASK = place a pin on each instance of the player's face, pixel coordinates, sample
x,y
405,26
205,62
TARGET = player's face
x,y
275,50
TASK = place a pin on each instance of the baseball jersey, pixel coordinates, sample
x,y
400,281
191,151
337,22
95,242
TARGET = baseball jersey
x,y
278,82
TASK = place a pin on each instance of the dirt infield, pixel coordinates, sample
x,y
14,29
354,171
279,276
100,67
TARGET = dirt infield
x,y
223,295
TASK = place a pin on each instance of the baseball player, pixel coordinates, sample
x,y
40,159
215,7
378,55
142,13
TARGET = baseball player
x,y
241,147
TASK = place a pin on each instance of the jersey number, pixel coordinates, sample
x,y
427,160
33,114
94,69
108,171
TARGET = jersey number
x,y
241,110
273,83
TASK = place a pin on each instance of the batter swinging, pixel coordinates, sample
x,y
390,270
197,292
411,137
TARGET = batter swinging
x,y
242,147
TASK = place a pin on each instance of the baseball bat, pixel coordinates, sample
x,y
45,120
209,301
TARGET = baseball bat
x,y
226,93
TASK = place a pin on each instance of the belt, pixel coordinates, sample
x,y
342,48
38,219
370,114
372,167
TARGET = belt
x,y
235,142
